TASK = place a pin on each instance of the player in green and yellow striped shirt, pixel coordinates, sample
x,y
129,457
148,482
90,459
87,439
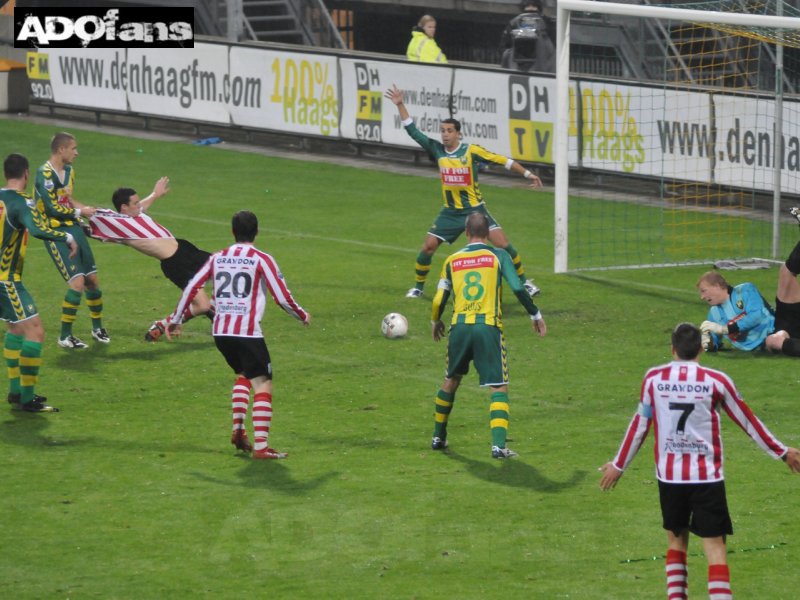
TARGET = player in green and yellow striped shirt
x,y
459,164
22,348
473,276
53,189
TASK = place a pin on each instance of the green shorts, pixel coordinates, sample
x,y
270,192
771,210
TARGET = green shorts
x,y
483,345
16,304
450,222
81,264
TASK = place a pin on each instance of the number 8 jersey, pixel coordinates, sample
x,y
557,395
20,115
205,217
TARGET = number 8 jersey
x,y
682,400
242,275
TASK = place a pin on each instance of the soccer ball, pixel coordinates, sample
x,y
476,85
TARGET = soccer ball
x,y
394,325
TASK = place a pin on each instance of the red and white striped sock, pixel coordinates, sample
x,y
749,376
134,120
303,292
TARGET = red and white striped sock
x,y
677,575
188,314
240,398
719,583
262,419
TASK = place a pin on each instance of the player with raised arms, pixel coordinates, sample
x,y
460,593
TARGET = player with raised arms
x,y
459,164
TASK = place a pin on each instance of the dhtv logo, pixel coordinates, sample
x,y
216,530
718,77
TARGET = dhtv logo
x,y
44,27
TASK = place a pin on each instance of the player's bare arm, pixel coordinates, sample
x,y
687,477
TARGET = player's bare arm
x,y
73,247
792,459
611,475
172,330
161,188
396,96
85,210
535,182
437,330
539,326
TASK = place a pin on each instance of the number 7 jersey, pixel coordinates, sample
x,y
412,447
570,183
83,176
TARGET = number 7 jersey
x,y
683,400
242,276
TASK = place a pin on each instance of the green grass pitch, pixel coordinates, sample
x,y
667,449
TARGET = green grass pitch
x,y
134,491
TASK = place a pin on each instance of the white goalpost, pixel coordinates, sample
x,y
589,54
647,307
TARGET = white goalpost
x,y
704,156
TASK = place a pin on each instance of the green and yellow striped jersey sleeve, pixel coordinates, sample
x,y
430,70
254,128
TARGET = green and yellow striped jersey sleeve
x,y
52,195
17,217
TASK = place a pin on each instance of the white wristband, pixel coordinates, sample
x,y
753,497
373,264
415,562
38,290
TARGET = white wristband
x,y
77,213
537,316
526,174
70,238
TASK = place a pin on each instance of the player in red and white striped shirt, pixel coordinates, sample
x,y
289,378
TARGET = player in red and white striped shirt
x,y
242,276
683,403
130,225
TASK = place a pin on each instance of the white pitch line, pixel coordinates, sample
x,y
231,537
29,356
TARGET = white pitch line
x,y
297,234
647,286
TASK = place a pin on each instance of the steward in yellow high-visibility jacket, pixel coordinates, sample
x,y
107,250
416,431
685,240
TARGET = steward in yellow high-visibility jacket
x,y
422,47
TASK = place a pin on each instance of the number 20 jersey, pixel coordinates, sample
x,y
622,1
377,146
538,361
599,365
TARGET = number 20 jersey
x,y
682,400
242,276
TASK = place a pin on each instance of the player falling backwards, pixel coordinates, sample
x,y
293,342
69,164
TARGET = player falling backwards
x,y
459,164
180,259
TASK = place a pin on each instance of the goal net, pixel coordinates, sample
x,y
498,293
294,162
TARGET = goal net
x,y
692,154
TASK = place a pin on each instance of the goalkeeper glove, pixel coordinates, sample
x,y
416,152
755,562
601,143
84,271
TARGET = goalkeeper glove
x,y
711,327
705,338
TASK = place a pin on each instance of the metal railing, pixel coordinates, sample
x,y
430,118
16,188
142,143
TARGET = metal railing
x,y
316,24
310,22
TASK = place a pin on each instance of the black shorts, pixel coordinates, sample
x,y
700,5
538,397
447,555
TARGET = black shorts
x,y
182,266
787,318
246,356
702,508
